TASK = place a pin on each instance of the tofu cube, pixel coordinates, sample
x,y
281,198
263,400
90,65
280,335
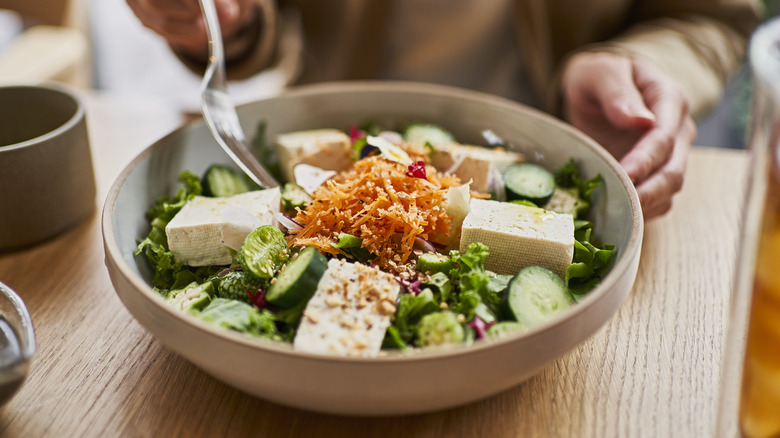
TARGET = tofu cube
x,y
195,233
327,149
519,236
473,162
350,311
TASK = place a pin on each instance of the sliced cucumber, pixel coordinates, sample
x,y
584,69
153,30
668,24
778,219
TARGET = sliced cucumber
x,y
440,328
193,297
567,200
530,182
536,295
419,133
298,281
505,328
263,251
434,262
294,196
222,181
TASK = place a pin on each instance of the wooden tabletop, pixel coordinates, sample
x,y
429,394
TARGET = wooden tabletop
x,y
652,371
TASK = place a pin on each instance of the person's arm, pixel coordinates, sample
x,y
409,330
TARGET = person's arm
x,y
637,94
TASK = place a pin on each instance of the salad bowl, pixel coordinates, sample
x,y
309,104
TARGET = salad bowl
x,y
394,383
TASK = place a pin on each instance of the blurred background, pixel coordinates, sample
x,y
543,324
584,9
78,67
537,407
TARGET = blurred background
x,y
100,44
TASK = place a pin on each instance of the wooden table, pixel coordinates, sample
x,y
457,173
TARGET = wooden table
x,y
652,371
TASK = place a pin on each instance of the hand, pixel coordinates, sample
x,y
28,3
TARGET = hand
x,y
639,115
180,22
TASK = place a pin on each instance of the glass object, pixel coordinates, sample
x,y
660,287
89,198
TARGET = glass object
x,y
750,381
17,343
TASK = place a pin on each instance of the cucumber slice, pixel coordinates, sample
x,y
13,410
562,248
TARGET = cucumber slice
x,y
568,201
434,262
505,328
298,281
530,182
440,328
222,181
294,196
419,133
537,295
263,251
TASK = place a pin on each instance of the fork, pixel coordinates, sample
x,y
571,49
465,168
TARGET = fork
x,y
218,109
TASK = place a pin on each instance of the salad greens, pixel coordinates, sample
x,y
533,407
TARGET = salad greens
x,y
168,274
451,299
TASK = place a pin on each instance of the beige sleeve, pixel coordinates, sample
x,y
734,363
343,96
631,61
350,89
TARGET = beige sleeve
x,y
700,47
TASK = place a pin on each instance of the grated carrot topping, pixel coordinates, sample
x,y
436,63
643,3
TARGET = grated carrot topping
x,y
378,202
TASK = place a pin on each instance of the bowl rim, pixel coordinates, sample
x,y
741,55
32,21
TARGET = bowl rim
x,y
52,89
428,354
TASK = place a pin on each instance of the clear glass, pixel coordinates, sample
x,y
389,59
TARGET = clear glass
x,y
750,381
17,343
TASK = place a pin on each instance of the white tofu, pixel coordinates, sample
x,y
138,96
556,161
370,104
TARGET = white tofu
x,y
349,313
473,162
519,236
328,149
195,233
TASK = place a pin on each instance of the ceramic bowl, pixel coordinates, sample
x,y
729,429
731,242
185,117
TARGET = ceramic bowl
x,y
396,384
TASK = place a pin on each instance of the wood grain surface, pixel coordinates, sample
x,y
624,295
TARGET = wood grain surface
x,y
652,371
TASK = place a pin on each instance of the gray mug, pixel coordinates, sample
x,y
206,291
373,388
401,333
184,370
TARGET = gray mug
x,y
47,183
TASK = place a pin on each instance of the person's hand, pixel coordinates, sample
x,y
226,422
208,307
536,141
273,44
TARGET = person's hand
x,y
180,22
639,115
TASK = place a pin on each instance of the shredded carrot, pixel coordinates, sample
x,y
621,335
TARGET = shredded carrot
x,y
377,201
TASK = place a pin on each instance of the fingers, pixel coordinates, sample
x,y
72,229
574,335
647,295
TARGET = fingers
x,y
655,192
173,9
605,83
638,114
180,22
670,106
181,27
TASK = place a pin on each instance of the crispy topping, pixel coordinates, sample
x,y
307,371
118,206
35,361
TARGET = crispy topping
x,y
385,307
312,316
376,201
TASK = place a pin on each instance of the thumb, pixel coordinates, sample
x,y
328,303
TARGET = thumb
x,y
622,103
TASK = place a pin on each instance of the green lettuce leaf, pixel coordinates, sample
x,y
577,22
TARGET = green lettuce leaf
x,y
568,175
590,262
239,316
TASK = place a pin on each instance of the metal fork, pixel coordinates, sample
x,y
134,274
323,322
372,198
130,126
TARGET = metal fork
x,y
218,109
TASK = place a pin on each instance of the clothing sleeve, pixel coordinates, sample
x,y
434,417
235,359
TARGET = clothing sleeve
x,y
252,49
699,43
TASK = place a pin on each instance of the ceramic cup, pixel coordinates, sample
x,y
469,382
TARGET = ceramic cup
x,y
47,183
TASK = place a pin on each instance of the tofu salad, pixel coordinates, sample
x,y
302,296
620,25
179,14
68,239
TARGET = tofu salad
x,y
379,239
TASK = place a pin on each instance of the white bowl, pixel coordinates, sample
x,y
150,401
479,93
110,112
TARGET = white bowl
x,y
397,384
